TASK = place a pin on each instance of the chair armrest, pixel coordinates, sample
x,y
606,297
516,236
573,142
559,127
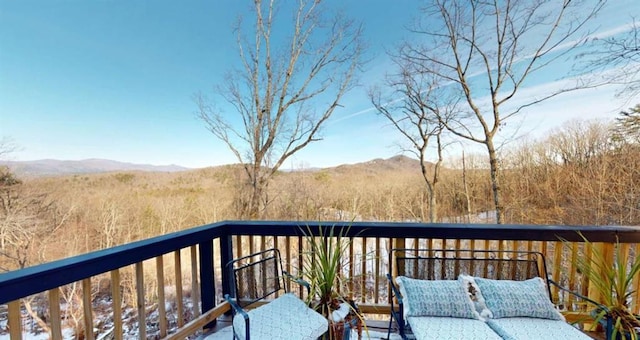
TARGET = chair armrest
x,y
600,306
236,307
298,281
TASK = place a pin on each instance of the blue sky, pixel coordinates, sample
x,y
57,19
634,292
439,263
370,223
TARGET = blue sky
x,y
115,80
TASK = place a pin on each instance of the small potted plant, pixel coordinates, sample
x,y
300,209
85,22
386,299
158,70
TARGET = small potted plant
x,y
613,280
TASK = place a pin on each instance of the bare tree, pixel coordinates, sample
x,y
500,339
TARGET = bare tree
x,y
415,113
618,58
285,91
487,50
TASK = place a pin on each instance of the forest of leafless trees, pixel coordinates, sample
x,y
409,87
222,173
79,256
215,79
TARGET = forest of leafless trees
x,y
585,173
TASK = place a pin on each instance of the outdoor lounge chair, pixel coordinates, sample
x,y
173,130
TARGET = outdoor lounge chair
x,y
452,294
259,277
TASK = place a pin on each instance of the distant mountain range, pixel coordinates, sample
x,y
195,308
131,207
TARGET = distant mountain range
x,y
53,167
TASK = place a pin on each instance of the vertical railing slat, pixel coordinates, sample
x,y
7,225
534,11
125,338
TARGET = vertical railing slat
x,y
456,269
142,313
588,253
54,312
377,259
195,286
87,309
363,279
557,262
300,259
162,312
288,259
177,262
116,298
573,273
635,304
15,320
352,272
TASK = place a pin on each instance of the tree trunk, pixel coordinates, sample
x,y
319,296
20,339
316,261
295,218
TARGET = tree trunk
x,y
431,190
495,180
466,188
433,207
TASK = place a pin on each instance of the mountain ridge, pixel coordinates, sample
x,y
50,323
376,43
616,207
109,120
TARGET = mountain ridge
x,y
55,167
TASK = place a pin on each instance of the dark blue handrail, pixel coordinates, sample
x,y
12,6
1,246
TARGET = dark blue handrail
x,y
25,282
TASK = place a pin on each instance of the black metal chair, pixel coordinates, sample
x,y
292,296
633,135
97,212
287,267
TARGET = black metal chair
x,y
262,307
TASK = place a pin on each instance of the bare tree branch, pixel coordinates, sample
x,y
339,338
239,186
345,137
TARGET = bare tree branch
x,y
418,115
488,49
285,91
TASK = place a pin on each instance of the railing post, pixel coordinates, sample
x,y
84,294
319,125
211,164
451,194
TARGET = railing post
x,y
207,281
226,255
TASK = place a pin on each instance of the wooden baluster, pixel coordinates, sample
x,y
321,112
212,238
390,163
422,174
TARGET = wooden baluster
x,y
87,309
288,259
142,313
472,265
352,268
635,304
116,302
252,245
177,262
556,266
399,243
607,251
501,248
195,286
238,246
54,311
161,300
376,290
300,261
573,274
363,279
15,320
456,267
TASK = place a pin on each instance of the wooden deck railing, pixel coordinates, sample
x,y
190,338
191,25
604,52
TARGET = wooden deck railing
x,y
187,265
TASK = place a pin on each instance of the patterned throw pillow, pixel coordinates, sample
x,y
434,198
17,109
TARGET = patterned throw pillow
x,y
507,298
446,298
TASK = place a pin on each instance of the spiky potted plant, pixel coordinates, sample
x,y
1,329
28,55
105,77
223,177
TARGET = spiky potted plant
x,y
322,266
613,280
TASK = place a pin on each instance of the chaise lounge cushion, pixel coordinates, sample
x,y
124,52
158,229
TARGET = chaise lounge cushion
x,y
444,328
528,298
535,329
435,298
286,318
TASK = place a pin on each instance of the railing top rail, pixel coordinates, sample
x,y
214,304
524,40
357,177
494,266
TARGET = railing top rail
x,y
24,282
28,281
520,232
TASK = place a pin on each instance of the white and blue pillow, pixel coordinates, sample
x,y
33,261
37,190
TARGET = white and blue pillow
x,y
445,298
528,298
